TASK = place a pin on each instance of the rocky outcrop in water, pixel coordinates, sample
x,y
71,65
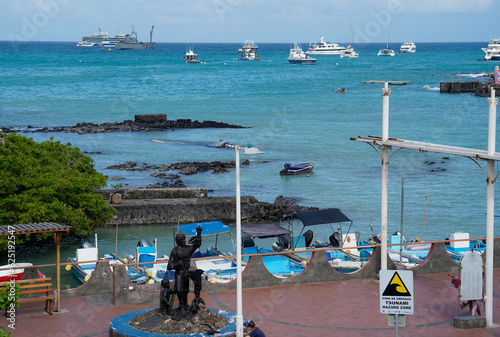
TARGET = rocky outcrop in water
x,y
155,122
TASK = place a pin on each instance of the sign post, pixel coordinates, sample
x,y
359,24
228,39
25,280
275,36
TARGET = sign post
x,y
396,295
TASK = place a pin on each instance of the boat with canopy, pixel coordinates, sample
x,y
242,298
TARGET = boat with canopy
x,y
347,259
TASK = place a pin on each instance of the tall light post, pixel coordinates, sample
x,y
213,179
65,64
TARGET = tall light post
x,y
239,285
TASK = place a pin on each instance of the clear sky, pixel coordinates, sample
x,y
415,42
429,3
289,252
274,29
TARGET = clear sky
x,y
259,20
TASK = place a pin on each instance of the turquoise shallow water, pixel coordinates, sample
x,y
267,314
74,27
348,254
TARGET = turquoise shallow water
x,y
292,113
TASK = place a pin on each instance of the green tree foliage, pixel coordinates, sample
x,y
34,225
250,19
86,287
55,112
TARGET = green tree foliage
x,y
49,182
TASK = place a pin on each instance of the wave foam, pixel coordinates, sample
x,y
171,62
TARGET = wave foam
x,y
426,87
473,75
165,142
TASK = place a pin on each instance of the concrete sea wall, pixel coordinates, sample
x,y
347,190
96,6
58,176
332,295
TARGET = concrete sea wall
x,y
188,205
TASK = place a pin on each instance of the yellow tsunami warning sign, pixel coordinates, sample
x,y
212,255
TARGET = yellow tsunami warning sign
x,y
396,287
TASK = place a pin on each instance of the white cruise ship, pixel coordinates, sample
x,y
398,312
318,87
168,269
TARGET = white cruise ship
x,y
324,48
493,50
100,38
408,47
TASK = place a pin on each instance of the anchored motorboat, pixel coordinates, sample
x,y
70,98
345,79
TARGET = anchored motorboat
x,y
324,48
408,47
297,56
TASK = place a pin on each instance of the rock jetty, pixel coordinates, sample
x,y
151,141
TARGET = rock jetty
x,y
184,168
188,205
153,122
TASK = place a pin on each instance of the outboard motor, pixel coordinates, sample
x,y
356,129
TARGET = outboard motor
x,y
334,239
144,243
287,166
358,235
309,237
284,241
247,241
86,244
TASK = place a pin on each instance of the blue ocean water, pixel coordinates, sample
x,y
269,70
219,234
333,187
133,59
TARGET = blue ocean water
x,y
292,113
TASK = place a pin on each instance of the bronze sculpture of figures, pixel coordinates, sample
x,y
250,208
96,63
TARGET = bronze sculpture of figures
x,y
179,261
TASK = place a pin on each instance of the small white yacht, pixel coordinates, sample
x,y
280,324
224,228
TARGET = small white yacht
x,y
349,53
386,51
86,44
324,48
493,50
297,56
191,57
408,47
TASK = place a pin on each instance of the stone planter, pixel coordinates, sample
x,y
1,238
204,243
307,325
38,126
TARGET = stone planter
x,y
469,322
116,198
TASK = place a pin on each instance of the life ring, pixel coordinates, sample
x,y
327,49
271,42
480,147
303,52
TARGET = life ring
x,y
348,239
348,251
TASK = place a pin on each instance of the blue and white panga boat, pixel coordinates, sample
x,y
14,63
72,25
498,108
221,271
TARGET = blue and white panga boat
x,y
291,170
347,256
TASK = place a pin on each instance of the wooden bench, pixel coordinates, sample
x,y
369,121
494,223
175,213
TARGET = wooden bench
x,y
41,286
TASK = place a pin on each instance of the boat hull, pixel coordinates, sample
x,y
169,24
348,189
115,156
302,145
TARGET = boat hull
x,y
134,46
297,169
306,61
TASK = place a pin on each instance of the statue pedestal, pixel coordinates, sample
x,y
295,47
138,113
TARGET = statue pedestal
x,y
119,326
469,322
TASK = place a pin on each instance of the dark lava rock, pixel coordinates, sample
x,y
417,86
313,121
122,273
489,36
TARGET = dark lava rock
x,y
185,168
140,124
203,321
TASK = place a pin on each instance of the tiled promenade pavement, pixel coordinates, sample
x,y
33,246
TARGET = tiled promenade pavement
x,y
325,309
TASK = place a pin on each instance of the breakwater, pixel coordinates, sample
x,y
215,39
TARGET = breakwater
x,y
476,87
148,122
188,205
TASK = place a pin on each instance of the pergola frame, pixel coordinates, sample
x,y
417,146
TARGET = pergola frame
x,y
45,227
385,143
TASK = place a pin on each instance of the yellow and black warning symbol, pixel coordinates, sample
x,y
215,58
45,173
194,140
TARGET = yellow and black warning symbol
x,y
396,287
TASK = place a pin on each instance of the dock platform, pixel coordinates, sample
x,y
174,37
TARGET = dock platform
x,y
389,82
341,308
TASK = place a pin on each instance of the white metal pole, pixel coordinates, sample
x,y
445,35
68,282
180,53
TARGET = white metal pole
x,y
239,287
490,210
385,173
492,122
385,112
383,212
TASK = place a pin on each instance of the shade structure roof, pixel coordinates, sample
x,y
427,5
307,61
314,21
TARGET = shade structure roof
x,y
263,231
33,228
209,228
323,216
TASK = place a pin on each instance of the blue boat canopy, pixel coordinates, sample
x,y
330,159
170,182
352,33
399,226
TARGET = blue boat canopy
x,y
209,228
323,216
264,231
